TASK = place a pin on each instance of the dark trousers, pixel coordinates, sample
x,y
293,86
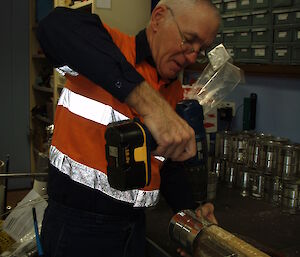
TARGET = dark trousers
x,y
83,222
69,232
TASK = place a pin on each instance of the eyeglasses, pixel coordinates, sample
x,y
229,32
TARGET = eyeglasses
x,y
186,46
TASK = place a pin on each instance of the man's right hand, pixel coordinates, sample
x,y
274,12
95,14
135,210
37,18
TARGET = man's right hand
x,y
174,137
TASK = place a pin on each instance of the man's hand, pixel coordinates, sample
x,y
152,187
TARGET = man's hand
x,y
174,137
205,211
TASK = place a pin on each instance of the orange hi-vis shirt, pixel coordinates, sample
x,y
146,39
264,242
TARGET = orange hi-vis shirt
x,y
83,112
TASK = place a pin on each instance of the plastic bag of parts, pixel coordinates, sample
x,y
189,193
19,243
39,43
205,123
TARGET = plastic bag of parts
x,y
218,79
19,225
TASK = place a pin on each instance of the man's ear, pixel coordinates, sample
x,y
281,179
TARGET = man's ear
x,y
158,15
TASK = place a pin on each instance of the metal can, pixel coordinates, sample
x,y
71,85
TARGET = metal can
x,y
289,165
231,173
290,196
257,185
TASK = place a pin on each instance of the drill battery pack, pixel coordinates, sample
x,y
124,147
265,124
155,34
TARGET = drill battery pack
x,y
127,154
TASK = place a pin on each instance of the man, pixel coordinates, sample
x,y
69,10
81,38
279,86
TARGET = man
x,y
116,77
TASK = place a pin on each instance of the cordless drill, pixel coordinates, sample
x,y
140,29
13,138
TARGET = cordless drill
x,y
129,144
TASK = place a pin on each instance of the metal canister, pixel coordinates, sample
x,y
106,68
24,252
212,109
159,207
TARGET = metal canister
x,y
257,185
223,149
289,164
273,156
189,232
290,196
273,189
212,186
256,153
230,174
239,147
243,181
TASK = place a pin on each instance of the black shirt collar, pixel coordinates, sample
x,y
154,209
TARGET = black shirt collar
x,y
143,51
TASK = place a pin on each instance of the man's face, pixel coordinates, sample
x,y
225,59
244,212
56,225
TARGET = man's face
x,y
175,32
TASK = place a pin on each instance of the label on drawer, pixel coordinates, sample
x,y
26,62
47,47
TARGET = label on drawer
x,y
282,34
231,5
283,16
244,34
297,15
298,35
260,52
260,33
244,50
259,1
244,18
245,2
260,16
281,52
230,19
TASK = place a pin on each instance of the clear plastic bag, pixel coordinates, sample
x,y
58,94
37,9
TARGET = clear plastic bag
x,y
218,79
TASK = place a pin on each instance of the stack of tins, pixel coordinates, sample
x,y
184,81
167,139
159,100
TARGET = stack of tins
x,y
261,166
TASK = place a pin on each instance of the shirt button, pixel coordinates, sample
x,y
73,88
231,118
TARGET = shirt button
x,y
118,84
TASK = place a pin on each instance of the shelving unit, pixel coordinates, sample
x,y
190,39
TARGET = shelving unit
x,y
45,82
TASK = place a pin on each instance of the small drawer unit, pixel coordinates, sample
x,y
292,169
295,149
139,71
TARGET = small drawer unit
x,y
243,53
245,5
282,35
219,5
229,20
296,35
295,59
281,54
230,5
244,19
261,53
261,17
243,35
262,34
259,4
281,18
281,3
229,36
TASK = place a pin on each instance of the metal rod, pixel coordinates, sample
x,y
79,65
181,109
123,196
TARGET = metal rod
x,y
22,175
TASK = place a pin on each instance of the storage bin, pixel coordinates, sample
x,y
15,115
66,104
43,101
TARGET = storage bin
x,y
283,35
281,3
296,35
243,52
261,17
281,18
219,5
230,20
261,53
230,5
243,36
219,38
244,5
296,17
229,36
281,54
261,35
244,20
258,4
295,55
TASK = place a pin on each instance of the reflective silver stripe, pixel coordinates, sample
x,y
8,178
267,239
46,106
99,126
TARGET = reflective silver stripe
x,y
89,108
66,69
98,180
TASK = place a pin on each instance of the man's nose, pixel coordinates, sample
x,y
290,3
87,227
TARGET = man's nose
x,y
191,57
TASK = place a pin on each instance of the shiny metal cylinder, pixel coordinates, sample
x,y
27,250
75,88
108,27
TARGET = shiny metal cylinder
x,y
230,174
2,188
256,151
290,159
220,169
290,196
189,232
225,145
273,161
273,189
243,182
212,183
257,185
239,147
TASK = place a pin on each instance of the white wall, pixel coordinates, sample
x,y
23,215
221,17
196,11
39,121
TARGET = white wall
x,y
129,16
